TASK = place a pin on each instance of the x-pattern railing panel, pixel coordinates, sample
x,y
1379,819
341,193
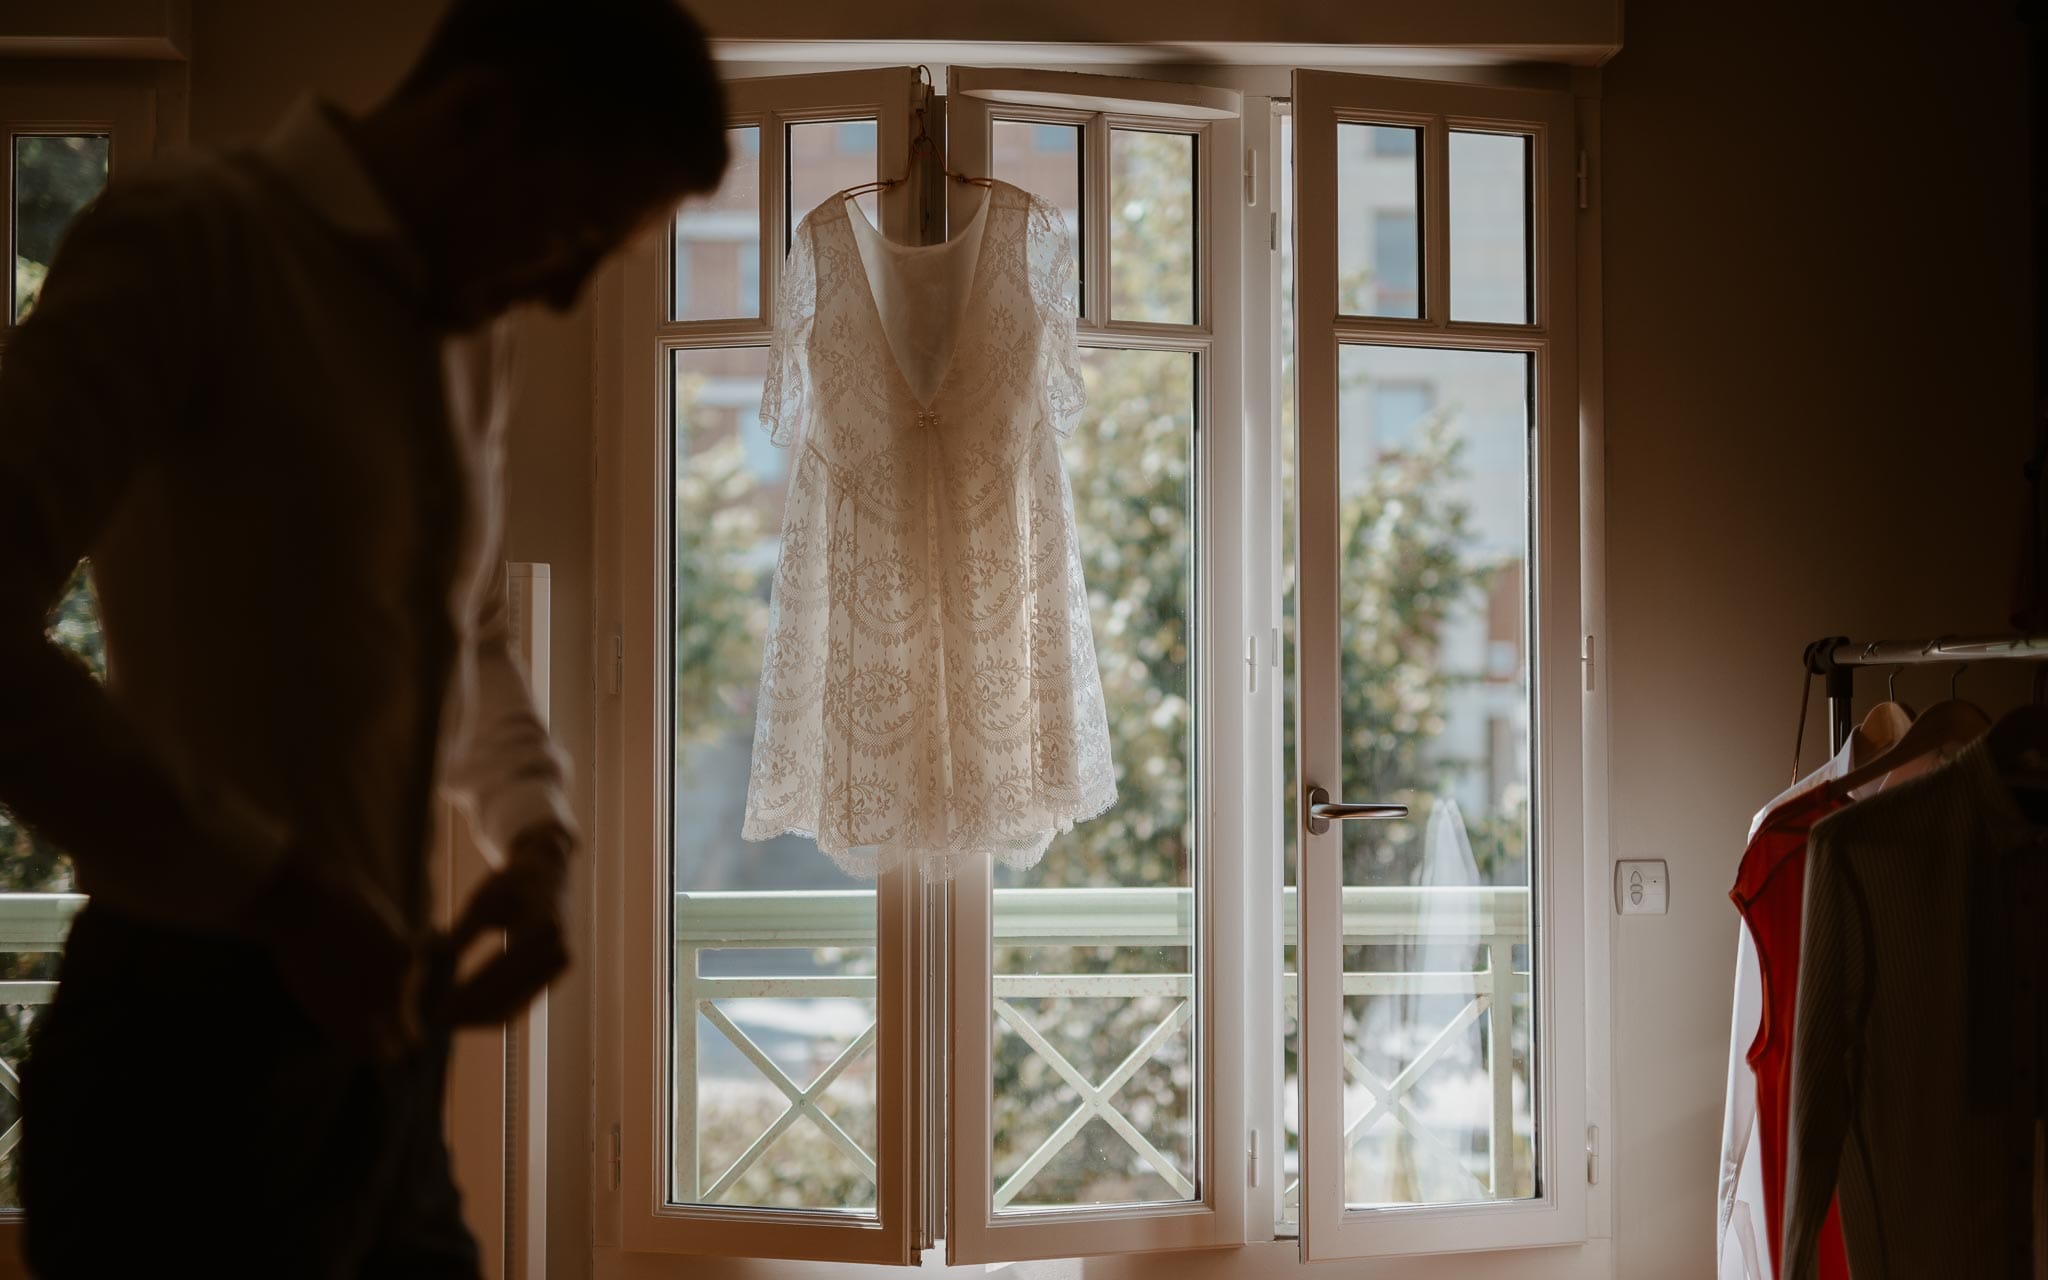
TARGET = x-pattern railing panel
x,y
1095,1101
1393,1095
803,1101
30,923
11,1082
1495,916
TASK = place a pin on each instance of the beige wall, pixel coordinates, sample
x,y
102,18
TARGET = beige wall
x,y
1817,319
1816,393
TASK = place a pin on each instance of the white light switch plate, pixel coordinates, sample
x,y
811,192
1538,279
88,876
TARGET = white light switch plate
x,y
1641,888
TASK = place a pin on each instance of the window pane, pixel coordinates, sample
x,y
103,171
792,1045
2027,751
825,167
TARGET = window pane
x,y
1379,205
55,176
757,1019
1434,536
827,156
1490,227
717,264
1044,159
1094,948
1152,226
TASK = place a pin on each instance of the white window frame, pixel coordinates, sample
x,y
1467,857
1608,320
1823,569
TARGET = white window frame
x,y
643,496
975,1231
1557,1214
633,600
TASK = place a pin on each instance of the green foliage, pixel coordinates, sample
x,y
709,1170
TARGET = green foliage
x,y
719,582
27,864
1404,545
55,177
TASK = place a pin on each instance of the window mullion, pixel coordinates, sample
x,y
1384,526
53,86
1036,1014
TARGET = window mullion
x,y
1436,223
1260,757
1095,221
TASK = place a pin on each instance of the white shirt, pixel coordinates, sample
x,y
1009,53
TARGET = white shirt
x,y
233,397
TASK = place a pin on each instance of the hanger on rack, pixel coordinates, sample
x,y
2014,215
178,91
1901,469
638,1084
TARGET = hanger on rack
x,y
1891,692
1883,725
921,144
1943,727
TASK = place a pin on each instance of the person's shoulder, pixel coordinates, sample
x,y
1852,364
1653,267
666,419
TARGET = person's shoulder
x,y
183,182
182,202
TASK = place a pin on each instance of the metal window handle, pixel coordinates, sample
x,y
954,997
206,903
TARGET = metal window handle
x,y
1321,812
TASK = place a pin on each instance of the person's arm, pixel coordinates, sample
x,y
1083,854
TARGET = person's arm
x,y
506,773
504,770
97,381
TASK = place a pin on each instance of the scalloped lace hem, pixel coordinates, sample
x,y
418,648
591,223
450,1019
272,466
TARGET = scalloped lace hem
x,y
868,862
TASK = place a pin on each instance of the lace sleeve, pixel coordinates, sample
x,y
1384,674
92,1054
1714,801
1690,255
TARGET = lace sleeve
x,y
785,392
1052,292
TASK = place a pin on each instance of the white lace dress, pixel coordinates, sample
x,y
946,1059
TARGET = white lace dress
x,y
929,689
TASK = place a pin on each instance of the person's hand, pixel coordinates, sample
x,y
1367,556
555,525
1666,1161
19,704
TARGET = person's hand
x,y
343,953
523,898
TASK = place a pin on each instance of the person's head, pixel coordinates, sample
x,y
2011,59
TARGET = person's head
x,y
532,137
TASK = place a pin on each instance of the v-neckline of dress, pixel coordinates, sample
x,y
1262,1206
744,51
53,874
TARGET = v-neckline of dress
x,y
978,224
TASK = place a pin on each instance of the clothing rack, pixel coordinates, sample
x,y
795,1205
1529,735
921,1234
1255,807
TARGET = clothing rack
x,y
1837,658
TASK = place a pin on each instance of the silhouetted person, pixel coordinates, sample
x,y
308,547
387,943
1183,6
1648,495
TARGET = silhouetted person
x,y
262,391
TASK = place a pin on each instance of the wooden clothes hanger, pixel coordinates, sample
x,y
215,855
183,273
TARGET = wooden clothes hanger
x,y
1882,727
1943,726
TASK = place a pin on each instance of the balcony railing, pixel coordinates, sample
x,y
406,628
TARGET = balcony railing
x,y
30,923
1492,921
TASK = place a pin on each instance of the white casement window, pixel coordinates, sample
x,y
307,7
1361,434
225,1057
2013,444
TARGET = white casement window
x,y
63,141
1326,491
1092,999
1436,609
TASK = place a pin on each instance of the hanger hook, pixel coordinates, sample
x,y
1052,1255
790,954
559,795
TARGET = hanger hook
x,y
1891,684
1956,678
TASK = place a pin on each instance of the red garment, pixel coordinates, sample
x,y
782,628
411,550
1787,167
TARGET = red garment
x,y
1770,887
